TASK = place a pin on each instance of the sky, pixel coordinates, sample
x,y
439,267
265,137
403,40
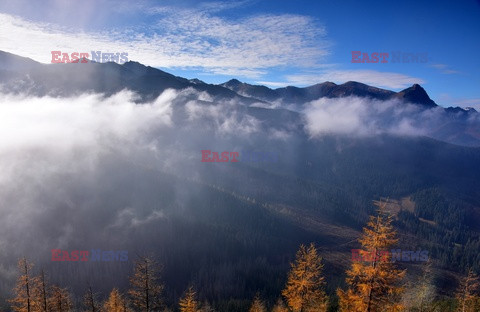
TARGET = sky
x,y
273,43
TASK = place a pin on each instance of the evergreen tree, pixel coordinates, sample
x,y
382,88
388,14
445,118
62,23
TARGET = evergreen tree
x,y
304,290
374,283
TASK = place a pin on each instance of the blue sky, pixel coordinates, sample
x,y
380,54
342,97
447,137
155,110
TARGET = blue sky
x,y
275,43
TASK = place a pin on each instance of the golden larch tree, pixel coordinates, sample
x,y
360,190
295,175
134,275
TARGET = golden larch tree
x,y
41,293
60,300
279,306
374,282
467,296
23,289
257,305
189,303
115,302
304,291
146,288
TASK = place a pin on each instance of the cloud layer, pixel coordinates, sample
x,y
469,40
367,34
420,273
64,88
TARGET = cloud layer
x,y
184,38
355,116
199,38
91,171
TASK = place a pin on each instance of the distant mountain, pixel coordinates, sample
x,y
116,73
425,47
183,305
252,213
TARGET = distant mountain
x,y
233,228
20,74
149,82
297,95
12,62
453,125
415,94
23,75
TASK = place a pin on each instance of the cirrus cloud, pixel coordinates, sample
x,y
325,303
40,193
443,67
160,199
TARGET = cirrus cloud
x,y
184,38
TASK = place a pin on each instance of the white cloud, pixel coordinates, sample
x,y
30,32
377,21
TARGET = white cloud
x,y
199,38
79,121
52,147
344,116
183,38
129,217
366,117
224,117
445,69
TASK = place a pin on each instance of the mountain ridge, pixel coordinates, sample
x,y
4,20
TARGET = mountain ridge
x,y
233,88
22,75
414,94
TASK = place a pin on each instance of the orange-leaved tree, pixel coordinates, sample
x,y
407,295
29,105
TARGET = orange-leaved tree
x,y
279,306
41,293
115,302
146,288
257,305
374,282
189,303
304,291
23,301
60,300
